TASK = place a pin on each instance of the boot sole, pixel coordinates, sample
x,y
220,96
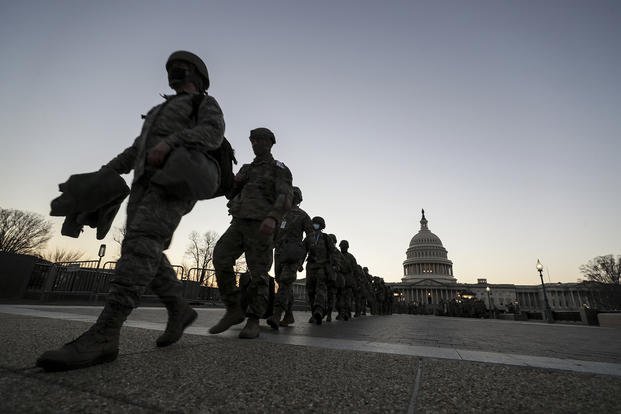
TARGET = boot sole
x,y
187,323
49,365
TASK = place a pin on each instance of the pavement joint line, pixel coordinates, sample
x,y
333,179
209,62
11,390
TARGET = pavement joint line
x,y
414,397
39,376
592,367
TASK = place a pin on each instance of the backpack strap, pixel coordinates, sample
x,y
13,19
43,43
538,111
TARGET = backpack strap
x,y
197,100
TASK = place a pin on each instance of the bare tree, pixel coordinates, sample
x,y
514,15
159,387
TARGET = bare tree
x,y
200,251
240,265
119,235
23,232
62,255
603,269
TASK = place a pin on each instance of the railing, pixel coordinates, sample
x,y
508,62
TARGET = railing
x,y
72,280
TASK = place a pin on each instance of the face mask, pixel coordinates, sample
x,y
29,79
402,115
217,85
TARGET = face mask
x,y
177,75
316,226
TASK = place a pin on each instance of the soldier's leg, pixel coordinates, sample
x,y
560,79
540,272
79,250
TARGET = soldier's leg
x,y
321,295
180,315
284,296
152,219
228,249
258,248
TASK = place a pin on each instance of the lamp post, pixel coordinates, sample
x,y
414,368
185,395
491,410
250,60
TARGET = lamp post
x,y
101,253
489,303
547,312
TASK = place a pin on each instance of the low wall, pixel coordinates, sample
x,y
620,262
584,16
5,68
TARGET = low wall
x,y
609,320
15,271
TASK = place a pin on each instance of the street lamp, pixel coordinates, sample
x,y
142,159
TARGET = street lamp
x,y
547,313
489,302
101,253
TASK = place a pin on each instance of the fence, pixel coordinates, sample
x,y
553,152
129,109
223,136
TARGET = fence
x,y
83,281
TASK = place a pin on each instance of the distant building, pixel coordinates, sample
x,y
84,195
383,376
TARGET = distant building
x,y
428,280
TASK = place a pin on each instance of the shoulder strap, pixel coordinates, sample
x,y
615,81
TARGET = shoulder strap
x,y
197,100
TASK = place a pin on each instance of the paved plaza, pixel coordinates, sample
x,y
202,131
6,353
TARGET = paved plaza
x,y
398,363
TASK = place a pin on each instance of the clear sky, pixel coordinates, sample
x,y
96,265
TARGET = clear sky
x,y
502,119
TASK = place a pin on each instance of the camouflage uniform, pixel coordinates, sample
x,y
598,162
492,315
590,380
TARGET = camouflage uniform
x,y
349,266
319,247
335,283
152,215
289,235
359,301
265,192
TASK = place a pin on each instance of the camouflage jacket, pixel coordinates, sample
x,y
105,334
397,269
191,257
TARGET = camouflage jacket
x,y
263,189
172,123
319,248
293,224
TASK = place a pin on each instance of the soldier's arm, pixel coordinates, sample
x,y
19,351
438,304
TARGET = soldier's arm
x,y
207,134
124,162
307,225
241,178
284,192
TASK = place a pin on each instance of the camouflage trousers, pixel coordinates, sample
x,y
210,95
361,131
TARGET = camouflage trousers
x,y
152,218
331,299
243,237
286,274
359,300
316,287
346,300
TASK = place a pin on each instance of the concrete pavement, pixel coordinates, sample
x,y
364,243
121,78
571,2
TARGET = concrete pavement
x,y
398,363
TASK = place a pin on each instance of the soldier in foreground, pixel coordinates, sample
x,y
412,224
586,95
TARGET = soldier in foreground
x,y
153,214
261,196
289,256
318,247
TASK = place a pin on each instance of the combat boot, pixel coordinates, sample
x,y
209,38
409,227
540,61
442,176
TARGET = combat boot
x,y
233,316
98,345
274,320
317,317
287,319
251,330
180,316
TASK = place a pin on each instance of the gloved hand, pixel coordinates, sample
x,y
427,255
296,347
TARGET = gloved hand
x,y
157,155
268,225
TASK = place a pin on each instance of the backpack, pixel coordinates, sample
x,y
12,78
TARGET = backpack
x,y
224,155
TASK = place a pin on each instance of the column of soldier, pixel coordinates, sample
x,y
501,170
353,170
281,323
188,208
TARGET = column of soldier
x,y
168,180
334,279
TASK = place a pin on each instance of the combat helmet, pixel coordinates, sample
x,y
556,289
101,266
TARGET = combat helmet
x,y
320,221
297,195
263,133
190,57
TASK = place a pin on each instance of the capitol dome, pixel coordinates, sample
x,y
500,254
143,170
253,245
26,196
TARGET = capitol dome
x,y
427,258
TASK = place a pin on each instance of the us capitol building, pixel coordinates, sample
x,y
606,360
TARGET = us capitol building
x,y
428,280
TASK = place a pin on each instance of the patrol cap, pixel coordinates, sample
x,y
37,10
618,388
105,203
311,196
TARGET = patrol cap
x,y
190,57
263,133
320,221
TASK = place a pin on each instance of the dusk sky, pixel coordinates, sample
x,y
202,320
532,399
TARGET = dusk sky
x,y
502,119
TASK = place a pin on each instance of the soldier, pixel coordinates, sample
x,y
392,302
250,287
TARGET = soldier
x,y
153,214
318,266
359,301
261,196
348,268
336,281
289,256
368,289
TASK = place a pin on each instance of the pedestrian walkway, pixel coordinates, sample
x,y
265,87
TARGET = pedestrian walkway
x,y
398,363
